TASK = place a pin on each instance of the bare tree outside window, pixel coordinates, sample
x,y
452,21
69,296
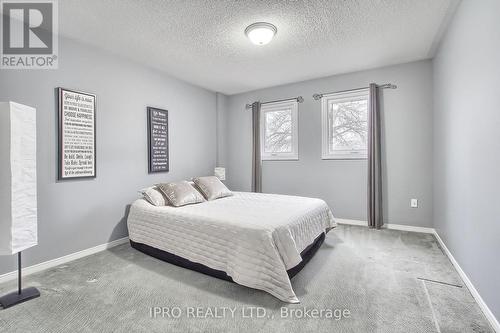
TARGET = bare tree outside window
x,y
347,125
278,135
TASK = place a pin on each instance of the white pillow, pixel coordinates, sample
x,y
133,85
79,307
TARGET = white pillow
x,y
212,188
181,193
154,196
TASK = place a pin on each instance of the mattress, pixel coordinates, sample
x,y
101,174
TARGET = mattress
x,y
253,237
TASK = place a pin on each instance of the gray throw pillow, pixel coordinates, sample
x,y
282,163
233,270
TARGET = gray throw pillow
x,y
212,188
154,196
181,193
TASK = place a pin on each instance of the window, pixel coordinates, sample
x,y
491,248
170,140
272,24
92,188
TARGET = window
x,y
344,119
279,131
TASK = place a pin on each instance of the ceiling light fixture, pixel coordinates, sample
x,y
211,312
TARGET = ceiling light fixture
x,y
261,33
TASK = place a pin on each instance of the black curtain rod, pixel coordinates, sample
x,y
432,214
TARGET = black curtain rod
x,y
381,86
299,99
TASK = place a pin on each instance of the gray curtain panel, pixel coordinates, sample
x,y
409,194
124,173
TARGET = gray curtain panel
x,y
256,156
375,219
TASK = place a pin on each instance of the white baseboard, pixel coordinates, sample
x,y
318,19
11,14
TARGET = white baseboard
x,y
62,260
479,300
388,226
352,222
403,227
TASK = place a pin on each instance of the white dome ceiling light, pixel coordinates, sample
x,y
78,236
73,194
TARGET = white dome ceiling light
x,y
261,33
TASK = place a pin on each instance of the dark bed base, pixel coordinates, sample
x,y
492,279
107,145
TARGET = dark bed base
x,y
306,255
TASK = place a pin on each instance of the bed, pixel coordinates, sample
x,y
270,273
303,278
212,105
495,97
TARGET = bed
x,y
256,240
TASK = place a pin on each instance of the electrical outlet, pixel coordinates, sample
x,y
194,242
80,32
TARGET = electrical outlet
x,y
414,203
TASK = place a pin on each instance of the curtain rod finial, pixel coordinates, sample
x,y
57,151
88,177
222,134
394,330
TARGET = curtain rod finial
x,y
300,99
317,96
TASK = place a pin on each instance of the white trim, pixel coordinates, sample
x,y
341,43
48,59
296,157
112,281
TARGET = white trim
x,y
479,300
62,260
475,294
352,222
354,155
391,226
403,227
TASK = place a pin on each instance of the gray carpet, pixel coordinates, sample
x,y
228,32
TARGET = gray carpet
x,y
378,276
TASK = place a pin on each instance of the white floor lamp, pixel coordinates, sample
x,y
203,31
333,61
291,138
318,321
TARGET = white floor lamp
x,y
18,210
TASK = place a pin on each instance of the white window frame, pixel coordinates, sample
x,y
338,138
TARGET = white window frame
x,y
325,101
279,106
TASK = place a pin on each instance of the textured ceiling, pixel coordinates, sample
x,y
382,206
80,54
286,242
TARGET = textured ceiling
x,y
202,42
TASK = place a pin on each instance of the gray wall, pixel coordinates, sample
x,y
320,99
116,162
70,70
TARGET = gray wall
x,y
76,215
222,106
407,140
467,144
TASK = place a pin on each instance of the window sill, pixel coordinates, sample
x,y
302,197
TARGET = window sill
x,y
275,158
344,158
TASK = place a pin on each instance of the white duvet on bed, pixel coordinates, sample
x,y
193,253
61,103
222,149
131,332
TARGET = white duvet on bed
x,y
253,237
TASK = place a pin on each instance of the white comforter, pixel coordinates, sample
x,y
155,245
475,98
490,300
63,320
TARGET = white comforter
x,y
253,237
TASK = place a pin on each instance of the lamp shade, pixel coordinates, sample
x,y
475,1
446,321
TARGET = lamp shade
x,y
220,173
18,201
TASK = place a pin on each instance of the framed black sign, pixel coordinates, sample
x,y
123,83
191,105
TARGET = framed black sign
x,y
158,159
76,139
